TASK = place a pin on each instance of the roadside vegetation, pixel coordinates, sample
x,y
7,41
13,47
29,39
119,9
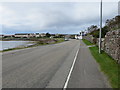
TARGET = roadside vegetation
x,y
40,42
87,42
108,65
110,25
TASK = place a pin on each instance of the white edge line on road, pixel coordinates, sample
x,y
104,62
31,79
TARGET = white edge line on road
x,y
68,77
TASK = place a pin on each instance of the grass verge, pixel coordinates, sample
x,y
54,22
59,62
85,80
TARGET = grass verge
x,y
108,65
87,42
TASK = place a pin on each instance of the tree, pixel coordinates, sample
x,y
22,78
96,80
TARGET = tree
x,y
105,29
48,35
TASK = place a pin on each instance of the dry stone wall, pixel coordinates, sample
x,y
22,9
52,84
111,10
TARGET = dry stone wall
x,y
90,38
110,44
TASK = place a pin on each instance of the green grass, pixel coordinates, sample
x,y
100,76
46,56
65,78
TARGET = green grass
x,y
87,42
108,66
60,40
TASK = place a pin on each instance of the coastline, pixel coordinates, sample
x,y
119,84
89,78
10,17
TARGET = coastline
x,y
36,43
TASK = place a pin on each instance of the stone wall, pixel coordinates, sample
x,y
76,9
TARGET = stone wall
x,y
110,44
90,38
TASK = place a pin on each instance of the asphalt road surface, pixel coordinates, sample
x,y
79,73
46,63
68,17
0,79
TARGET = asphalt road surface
x,y
37,67
48,67
86,72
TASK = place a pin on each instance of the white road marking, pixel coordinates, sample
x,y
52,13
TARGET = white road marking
x,y
66,83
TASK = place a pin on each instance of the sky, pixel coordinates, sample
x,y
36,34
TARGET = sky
x,y
52,17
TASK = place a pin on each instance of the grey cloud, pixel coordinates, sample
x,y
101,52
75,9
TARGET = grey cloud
x,y
55,17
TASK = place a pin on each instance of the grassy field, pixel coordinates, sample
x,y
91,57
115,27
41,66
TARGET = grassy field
x,y
108,66
38,43
87,42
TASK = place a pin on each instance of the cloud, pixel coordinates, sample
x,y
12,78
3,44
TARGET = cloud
x,y
58,0
53,17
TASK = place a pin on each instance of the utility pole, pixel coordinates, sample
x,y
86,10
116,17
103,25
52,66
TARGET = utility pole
x,y
100,27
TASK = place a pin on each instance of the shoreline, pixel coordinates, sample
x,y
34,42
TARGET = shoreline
x,y
37,43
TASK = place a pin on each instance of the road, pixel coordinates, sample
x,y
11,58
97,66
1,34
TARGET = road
x,y
37,67
48,67
86,72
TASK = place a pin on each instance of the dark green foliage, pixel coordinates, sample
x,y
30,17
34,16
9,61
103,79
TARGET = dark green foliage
x,y
111,24
104,31
96,32
48,35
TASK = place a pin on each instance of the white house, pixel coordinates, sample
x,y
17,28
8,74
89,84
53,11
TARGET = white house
x,y
37,35
1,36
42,34
24,35
77,37
8,36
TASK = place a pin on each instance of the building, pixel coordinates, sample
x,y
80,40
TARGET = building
x,y
32,35
43,35
1,36
37,35
8,36
78,37
24,35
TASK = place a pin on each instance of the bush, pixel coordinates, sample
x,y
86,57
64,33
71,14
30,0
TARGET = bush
x,y
103,32
95,34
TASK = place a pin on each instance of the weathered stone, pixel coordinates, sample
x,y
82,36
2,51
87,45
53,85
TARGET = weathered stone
x,y
110,44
